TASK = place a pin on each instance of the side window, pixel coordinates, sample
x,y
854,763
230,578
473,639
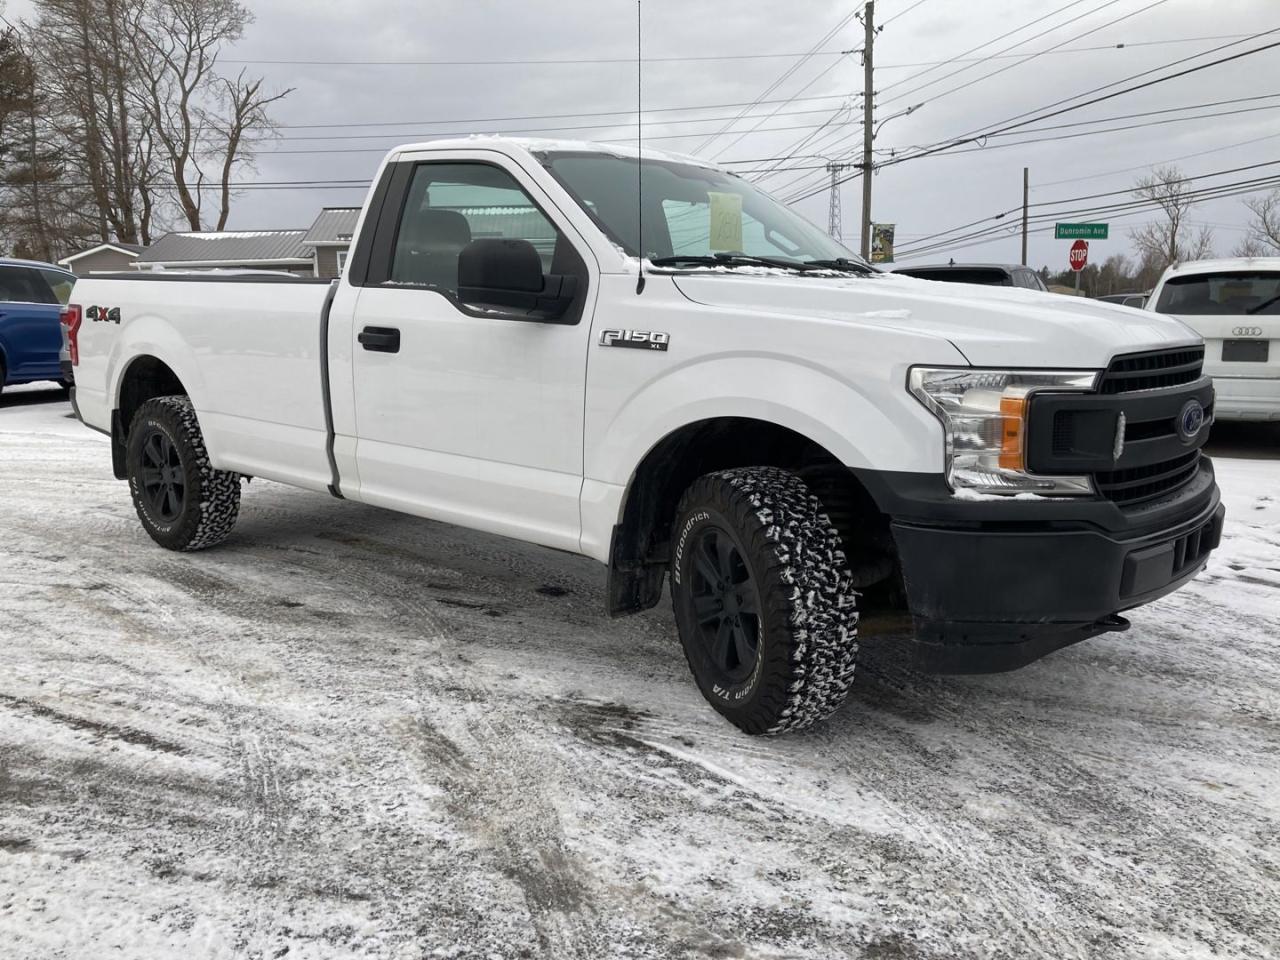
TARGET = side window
x,y
59,283
12,290
449,205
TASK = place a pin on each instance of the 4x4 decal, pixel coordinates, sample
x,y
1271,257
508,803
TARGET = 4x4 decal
x,y
103,314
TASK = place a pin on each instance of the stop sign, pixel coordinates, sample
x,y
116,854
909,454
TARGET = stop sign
x,y
1079,255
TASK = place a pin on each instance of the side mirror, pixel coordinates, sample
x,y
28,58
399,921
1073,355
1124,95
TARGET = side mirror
x,y
507,275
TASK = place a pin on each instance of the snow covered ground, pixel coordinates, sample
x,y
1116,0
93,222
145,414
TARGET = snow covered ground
x,y
350,733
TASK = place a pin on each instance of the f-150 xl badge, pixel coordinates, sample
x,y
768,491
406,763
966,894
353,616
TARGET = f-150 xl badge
x,y
636,339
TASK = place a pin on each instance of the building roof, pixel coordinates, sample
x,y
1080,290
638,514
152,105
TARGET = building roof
x,y
128,249
335,225
228,247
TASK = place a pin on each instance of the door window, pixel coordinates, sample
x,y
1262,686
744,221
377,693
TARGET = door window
x,y
451,204
60,283
24,285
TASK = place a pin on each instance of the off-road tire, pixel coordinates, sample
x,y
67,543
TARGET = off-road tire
x,y
807,616
211,500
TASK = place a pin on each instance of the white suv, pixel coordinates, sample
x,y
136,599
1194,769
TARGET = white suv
x,y
1235,305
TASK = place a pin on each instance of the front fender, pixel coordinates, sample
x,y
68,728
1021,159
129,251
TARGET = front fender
x,y
867,425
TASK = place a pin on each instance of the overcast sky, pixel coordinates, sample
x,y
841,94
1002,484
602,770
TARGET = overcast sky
x,y
921,197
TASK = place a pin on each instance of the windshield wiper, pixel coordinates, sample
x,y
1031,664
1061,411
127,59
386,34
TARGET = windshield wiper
x,y
728,260
1263,305
839,263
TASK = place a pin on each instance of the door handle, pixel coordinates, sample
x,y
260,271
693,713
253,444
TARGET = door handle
x,y
380,339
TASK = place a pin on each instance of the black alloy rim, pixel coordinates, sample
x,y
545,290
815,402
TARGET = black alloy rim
x,y
725,605
164,487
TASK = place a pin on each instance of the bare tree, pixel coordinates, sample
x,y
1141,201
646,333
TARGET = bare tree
x,y
1172,237
1264,230
87,74
1251,247
199,119
247,117
40,213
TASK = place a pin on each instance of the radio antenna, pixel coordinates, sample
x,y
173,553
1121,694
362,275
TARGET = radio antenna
x,y
639,155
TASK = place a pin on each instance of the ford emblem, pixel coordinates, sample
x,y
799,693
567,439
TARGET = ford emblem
x,y
1190,420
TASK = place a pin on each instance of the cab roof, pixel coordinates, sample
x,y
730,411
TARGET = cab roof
x,y
541,145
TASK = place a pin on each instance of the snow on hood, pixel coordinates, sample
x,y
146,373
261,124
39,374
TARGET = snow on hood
x,y
991,326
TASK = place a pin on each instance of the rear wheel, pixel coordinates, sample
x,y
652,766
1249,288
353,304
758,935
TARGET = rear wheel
x,y
763,599
182,501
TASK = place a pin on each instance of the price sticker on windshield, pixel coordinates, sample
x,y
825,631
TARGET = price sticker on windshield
x,y
726,222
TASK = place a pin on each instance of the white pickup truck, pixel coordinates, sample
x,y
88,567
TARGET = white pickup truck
x,y
720,391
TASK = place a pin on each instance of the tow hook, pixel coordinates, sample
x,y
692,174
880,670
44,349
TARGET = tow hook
x,y
1113,623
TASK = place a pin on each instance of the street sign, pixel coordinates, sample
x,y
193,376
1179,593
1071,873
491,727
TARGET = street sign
x,y
1079,255
1080,231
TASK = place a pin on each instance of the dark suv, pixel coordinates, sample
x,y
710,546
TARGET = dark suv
x,y
989,274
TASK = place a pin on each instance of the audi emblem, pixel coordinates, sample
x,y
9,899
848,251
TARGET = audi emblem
x,y
1246,332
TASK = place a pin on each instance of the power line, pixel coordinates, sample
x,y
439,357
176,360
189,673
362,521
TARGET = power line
x,y
1014,46
730,145
1098,131
903,13
629,111
1028,57
496,133
574,61
1017,121
786,75
1010,33
1092,49
1145,166
590,126
807,141
1139,205
925,238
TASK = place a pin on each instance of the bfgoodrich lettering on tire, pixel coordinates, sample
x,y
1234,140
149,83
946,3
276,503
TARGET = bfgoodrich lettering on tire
x,y
763,599
182,501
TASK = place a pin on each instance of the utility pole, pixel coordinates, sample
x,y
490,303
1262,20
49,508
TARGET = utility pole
x,y
868,132
834,225
1026,192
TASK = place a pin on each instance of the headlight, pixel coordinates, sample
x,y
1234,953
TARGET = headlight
x,y
984,419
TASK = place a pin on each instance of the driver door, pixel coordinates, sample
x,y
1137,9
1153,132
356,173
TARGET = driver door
x,y
464,413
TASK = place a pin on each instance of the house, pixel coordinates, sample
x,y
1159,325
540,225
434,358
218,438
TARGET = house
x,y
103,258
330,239
319,251
278,250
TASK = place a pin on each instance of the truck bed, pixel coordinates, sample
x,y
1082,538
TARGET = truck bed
x,y
247,347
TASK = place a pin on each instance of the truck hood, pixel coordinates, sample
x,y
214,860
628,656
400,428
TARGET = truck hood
x,y
991,326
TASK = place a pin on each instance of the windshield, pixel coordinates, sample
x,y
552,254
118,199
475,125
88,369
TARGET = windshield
x,y
689,211
1232,294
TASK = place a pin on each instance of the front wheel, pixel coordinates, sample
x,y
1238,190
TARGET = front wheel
x,y
763,599
182,501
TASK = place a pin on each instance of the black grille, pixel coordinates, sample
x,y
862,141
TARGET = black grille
x,y
1144,483
1152,371
1190,549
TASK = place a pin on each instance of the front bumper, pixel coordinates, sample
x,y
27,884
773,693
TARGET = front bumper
x,y
1247,398
996,587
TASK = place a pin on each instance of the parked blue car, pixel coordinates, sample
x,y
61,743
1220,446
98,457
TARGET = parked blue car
x,y
31,298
